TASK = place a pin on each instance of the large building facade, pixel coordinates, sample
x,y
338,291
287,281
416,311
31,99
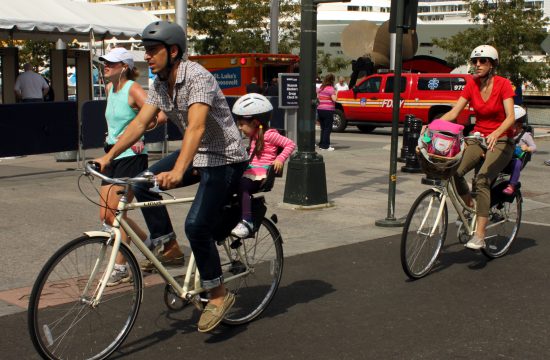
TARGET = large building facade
x,y
436,18
163,9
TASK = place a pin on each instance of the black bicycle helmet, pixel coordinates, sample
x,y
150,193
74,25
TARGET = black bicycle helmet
x,y
166,33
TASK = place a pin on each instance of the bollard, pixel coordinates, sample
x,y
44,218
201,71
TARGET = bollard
x,y
406,132
411,161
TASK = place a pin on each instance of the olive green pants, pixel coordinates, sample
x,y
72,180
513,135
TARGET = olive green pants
x,y
495,161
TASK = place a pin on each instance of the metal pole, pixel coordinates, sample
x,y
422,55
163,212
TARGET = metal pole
x,y
390,220
274,27
181,14
306,182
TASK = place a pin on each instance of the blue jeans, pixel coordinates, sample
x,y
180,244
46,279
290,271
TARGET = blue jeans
x,y
216,184
325,120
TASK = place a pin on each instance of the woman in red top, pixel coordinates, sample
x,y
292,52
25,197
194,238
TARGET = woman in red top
x,y
492,99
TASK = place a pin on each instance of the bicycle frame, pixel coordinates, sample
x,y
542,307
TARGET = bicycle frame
x,y
190,289
447,190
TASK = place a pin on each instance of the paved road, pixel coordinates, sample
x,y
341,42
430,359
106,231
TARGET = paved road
x,y
354,302
343,295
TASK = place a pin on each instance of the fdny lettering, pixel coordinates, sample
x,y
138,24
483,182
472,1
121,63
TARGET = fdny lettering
x,y
153,203
389,103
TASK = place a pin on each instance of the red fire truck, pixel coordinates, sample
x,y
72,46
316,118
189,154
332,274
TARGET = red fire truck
x,y
234,71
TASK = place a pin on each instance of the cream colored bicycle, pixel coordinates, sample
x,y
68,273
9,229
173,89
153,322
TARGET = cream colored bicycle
x,y
73,314
426,226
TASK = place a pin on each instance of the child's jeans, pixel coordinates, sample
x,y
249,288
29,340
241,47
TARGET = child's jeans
x,y
516,170
247,187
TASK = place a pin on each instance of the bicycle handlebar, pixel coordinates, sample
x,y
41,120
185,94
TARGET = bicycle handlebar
x,y
92,168
477,136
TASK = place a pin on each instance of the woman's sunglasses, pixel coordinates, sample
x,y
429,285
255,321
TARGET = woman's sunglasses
x,y
109,63
482,61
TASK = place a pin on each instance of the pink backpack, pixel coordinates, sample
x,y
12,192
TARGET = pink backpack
x,y
443,138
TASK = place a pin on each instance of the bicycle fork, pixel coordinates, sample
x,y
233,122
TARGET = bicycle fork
x,y
438,217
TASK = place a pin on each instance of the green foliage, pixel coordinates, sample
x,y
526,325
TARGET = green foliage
x,y
34,52
513,30
239,26
328,64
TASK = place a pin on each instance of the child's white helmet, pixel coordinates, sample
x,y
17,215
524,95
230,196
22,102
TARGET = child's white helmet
x,y
253,106
519,113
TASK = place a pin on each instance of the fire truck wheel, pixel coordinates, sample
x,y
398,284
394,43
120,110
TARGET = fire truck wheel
x,y
339,121
366,129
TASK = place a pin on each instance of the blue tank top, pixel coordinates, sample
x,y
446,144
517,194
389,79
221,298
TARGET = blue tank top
x,y
118,115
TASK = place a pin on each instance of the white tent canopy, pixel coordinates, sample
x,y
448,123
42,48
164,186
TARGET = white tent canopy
x,y
68,20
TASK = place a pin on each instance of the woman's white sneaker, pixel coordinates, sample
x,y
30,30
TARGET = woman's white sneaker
x,y
475,243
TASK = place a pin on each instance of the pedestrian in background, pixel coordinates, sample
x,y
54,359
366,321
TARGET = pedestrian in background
x,y
326,94
30,86
253,87
273,88
341,84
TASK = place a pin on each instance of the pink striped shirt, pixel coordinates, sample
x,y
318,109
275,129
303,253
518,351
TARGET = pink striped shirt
x,y
272,142
325,98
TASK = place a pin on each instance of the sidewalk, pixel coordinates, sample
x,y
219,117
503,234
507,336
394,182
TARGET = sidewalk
x,y
43,209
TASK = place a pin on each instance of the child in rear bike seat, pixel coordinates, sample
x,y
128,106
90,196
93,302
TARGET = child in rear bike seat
x,y
524,144
253,112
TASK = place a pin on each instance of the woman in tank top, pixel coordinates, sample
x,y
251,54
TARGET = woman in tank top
x,y
125,97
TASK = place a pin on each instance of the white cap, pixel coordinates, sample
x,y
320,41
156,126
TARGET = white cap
x,y
119,55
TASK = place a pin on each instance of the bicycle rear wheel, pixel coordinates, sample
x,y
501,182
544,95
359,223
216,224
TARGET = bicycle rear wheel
x,y
422,238
62,322
263,256
503,226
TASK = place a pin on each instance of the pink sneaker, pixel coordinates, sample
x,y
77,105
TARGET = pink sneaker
x,y
509,190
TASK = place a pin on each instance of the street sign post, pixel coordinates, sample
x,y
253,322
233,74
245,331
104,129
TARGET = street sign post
x,y
289,100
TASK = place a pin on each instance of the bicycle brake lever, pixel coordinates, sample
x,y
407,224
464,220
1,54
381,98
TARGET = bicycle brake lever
x,y
157,190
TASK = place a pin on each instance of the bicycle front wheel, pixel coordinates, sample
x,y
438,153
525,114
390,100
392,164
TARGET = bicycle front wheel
x,y
423,234
503,226
62,321
262,257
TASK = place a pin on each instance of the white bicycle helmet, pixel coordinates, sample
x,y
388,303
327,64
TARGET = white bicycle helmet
x,y
485,51
253,106
519,113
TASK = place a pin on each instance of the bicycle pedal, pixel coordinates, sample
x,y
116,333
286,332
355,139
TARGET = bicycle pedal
x,y
236,244
198,305
237,267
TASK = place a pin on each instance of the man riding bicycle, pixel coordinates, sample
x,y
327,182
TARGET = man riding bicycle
x,y
212,148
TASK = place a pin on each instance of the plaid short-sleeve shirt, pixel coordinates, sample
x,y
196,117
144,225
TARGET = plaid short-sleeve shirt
x,y
222,142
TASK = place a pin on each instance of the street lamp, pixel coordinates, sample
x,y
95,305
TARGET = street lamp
x,y
306,182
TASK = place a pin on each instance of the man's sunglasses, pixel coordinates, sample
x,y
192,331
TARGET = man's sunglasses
x,y
482,61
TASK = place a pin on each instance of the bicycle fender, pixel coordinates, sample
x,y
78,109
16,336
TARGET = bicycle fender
x,y
97,233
